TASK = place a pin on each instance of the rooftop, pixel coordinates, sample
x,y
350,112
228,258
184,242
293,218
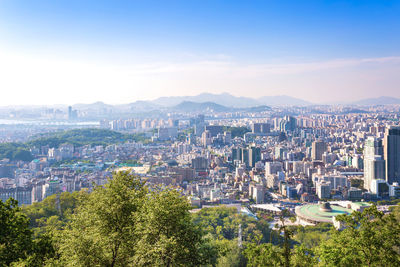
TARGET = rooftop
x,y
314,213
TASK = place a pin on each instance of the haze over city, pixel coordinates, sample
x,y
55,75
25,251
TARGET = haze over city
x,y
68,52
199,133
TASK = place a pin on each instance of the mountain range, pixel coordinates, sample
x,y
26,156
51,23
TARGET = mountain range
x,y
206,101
383,100
217,102
229,100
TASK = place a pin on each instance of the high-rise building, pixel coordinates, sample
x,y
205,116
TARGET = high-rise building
x,y
374,164
257,192
374,168
260,128
323,190
214,129
288,123
236,154
273,168
227,137
318,148
373,147
200,163
206,138
72,113
199,124
391,145
254,156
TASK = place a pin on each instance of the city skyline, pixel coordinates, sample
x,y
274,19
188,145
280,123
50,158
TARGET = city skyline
x,y
72,52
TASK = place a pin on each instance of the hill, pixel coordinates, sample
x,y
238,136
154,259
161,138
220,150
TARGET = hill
x,y
383,100
189,106
82,137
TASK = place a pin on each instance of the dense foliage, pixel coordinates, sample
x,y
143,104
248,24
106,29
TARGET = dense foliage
x,y
80,137
223,223
15,237
120,224
370,238
15,151
77,137
124,223
312,236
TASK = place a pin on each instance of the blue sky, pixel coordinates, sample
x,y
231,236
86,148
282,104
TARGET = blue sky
x,y
122,51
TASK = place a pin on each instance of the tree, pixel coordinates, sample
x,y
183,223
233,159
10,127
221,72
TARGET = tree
x,y
223,223
42,213
287,234
264,255
229,253
312,236
22,154
302,257
41,254
168,235
370,238
125,224
102,229
15,236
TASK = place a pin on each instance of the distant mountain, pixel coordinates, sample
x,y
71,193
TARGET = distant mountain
x,y
140,106
224,99
189,106
229,100
206,101
94,106
383,100
281,100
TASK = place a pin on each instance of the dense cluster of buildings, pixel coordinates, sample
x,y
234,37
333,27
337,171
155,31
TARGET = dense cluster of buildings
x,y
287,159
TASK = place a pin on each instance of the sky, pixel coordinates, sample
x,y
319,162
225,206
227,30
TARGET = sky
x,y
69,51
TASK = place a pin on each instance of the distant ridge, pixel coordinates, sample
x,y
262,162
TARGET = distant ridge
x,y
189,106
228,100
383,100
95,105
223,99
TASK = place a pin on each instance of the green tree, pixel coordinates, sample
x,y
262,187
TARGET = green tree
x,y
264,255
370,238
41,254
15,236
229,253
223,223
168,237
22,154
312,236
287,235
302,257
102,229
55,209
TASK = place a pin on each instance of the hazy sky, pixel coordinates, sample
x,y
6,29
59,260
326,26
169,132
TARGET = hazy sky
x,y
65,52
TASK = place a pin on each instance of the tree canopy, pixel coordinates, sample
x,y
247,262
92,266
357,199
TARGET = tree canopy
x,y
126,223
15,236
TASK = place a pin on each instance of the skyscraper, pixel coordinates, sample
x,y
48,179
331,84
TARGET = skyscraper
x,y
206,138
254,156
288,123
374,164
318,148
374,168
391,145
260,128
